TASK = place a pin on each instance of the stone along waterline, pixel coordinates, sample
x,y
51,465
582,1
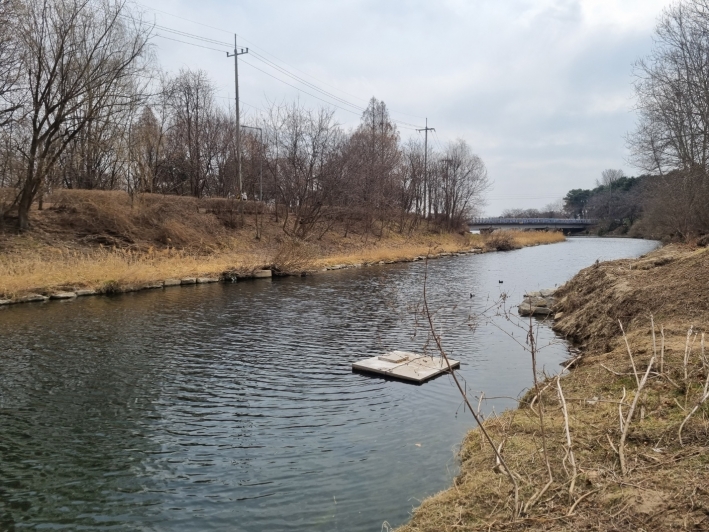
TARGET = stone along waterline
x,y
233,407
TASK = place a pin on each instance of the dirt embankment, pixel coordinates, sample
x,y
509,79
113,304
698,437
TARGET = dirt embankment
x,y
663,482
108,242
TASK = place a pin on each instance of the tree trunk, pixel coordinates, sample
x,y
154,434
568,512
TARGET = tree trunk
x,y
23,208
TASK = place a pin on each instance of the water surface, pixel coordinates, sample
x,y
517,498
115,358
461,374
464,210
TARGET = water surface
x,y
234,407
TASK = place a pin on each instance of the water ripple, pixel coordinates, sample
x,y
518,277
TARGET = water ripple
x,y
234,407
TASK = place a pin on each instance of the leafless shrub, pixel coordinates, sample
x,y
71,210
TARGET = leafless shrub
x,y
294,256
499,241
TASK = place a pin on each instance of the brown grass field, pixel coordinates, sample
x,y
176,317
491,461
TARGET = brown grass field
x,y
664,483
101,240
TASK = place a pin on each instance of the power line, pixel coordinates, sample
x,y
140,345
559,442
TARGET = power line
x,y
191,35
321,81
190,43
299,89
179,32
404,125
185,19
263,51
261,70
440,144
316,88
301,80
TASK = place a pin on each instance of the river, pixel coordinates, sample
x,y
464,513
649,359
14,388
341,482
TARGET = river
x,y
234,407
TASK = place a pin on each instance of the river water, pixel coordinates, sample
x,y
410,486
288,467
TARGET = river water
x,y
234,407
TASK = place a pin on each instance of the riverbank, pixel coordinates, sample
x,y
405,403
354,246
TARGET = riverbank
x,y
612,406
86,242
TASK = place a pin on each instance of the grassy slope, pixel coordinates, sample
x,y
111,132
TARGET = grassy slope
x,y
667,484
92,239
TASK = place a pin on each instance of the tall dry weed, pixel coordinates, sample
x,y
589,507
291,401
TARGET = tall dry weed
x,y
294,256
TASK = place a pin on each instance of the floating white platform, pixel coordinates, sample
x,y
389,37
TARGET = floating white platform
x,y
405,366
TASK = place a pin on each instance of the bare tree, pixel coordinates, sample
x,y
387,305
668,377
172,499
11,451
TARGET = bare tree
x,y
672,136
609,178
192,135
411,181
672,89
374,159
464,180
310,170
9,63
77,57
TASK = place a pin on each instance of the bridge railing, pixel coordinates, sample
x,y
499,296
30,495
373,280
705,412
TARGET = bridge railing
x,y
532,221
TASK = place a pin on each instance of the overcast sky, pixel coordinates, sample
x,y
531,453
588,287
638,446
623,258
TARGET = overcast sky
x,y
541,89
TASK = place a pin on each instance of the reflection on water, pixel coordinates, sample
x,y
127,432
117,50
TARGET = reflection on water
x,y
234,407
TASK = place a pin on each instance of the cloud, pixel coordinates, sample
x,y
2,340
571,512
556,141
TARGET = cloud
x,y
541,89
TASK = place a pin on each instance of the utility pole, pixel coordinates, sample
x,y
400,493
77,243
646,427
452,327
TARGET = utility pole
x,y
236,55
425,166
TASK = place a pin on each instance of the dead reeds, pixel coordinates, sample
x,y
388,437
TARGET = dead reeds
x,y
626,433
88,239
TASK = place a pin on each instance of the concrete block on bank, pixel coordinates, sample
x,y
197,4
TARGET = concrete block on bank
x,y
151,286
86,292
4,302
63,295
533,294
206,280
31,298
188,280
262,274
525,309
171,282
537,301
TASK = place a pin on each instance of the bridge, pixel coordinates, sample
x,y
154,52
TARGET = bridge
x,y
567,225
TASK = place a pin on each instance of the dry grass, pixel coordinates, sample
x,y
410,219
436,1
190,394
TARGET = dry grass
x,y
65,269
94,239
535,238
664,486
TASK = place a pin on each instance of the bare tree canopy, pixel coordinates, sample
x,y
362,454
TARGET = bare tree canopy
x,y
463,179
671,140
79,60
83,105
9,63
672,90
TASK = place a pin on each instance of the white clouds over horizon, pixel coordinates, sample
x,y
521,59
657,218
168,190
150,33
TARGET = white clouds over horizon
x,y
541,89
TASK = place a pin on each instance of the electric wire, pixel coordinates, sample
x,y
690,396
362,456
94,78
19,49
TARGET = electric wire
x,y
283,70
192,36
440,144
259,57
306,92
183,18
190,43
